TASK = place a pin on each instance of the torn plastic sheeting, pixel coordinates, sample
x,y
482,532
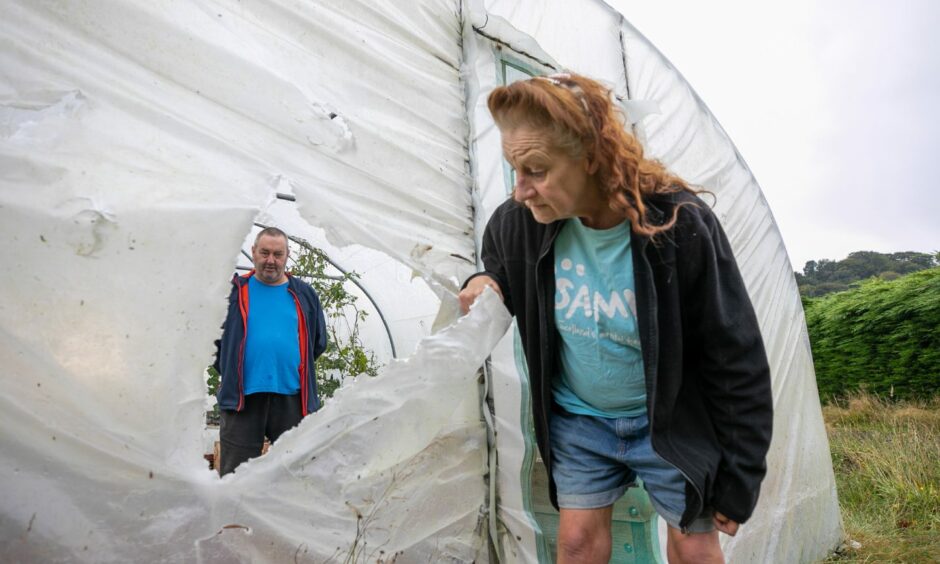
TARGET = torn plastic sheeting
x,y
401,306
125,222
396,235
259,82
125,212
318,494
101,423
421,420
518,530
20,119
798,515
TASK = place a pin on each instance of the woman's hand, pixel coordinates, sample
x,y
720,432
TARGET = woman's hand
x,y
474,288
725,524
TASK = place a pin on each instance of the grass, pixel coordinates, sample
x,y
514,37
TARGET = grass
x,y
886,458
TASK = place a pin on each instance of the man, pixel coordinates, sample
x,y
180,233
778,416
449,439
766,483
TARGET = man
x,y
272,336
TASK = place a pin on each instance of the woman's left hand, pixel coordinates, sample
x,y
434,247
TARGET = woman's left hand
x,y
725,525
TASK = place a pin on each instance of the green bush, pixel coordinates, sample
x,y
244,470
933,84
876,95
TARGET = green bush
x,y
882,337
345,355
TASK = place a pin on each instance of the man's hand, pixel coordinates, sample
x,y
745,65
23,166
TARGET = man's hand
x,y
474,288
725,525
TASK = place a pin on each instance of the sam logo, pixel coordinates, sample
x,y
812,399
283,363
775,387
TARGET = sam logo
x,y
591,303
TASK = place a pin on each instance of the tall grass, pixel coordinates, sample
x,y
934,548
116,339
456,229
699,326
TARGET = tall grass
x,y
886,458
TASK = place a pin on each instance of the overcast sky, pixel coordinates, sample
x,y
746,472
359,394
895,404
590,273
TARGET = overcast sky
x,y
834,105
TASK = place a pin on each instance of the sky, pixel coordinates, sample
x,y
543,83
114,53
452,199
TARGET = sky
x,y
833,104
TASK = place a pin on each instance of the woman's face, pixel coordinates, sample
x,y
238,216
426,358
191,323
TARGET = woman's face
x,y
551,183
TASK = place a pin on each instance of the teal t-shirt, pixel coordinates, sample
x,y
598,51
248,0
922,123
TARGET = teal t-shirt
x,y
272,345
600,361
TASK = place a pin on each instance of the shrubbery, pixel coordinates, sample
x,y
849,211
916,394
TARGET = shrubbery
x,y
345,355
882,337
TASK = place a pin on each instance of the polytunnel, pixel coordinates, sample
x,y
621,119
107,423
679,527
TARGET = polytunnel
x,y
140,143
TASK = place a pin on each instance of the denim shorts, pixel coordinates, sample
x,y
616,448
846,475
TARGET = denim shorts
x,y
595,460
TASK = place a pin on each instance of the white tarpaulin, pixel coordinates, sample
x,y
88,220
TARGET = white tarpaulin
x,y
139,141
797,518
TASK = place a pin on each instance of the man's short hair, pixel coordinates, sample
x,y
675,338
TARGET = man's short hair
x,y
271,232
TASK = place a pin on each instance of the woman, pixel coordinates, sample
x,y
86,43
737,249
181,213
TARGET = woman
x,y
644,353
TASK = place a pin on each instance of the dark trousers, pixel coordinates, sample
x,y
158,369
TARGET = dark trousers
x,y
242,433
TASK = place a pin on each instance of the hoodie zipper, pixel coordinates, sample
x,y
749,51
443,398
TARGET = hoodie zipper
x,y
550,233
653,325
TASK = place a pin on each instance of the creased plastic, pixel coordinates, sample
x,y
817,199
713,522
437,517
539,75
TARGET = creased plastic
x,y
391,468
797,518
138,144
139,141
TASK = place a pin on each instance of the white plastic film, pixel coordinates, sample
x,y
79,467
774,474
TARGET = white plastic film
x,y
357,105
518,528
138,143
583,36
797,518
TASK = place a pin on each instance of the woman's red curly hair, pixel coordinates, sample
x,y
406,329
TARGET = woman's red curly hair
x,y
579,115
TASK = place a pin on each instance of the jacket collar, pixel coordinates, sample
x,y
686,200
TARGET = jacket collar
x,y
242,279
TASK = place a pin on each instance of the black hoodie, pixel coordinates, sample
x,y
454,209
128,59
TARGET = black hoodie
x,y
707,379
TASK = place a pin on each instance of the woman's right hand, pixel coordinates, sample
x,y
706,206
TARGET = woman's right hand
x,y
474,288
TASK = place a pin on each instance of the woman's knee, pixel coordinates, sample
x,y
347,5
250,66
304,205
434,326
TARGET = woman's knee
x,y
584,542
695,547
584,548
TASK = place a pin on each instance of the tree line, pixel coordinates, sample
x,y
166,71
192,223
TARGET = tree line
x,y
826,276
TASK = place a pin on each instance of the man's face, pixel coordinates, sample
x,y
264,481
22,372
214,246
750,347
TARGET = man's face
x,y
270,257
